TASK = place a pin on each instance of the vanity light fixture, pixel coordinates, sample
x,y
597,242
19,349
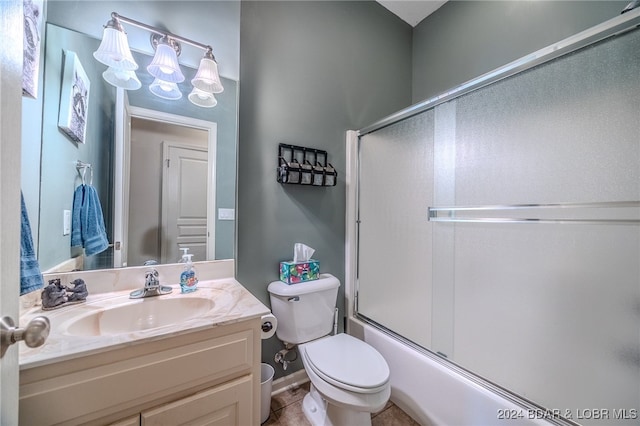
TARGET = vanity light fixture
x,y
114,51
165,62
207,78
201,98
114,48
126,79
165,89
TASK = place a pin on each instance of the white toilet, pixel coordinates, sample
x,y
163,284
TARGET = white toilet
x,y
349,378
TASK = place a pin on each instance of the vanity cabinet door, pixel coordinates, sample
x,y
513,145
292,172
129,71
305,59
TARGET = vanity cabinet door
x,y
129,421
226,404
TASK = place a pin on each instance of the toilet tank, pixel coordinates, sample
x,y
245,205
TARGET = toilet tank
x,y
305,311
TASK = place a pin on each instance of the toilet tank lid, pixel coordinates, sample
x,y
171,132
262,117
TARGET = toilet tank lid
x,y
325,282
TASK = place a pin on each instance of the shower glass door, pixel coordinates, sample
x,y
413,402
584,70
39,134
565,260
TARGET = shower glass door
x,y
396,186
501,230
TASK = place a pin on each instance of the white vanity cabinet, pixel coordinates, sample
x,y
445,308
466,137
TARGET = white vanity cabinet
x,y
129,421
227,404
210,376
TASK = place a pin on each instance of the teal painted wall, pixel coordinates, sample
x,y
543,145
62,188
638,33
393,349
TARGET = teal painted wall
x,y
60,153
465,39
309,72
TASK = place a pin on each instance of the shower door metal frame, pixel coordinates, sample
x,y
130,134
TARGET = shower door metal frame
x,y
613,27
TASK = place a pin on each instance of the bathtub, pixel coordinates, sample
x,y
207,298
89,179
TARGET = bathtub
x,y
435,394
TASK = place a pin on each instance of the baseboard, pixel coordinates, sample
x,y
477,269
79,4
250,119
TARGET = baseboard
x,y
288,382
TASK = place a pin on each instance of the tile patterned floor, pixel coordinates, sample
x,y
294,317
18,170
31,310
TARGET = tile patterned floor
x,y
286,410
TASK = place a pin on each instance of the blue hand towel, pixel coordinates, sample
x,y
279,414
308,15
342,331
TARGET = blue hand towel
x,y
30,276
76,214
87,222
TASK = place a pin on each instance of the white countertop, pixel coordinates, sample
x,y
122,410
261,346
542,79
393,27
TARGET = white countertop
x,y
232,303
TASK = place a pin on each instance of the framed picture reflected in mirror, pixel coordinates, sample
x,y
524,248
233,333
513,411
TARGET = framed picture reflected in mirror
x,y
74,98
33,10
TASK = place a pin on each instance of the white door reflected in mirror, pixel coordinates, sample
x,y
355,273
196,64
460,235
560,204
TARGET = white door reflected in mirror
x,y
184,202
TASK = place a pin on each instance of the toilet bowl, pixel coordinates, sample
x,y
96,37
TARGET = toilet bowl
x,y
349,381
349,378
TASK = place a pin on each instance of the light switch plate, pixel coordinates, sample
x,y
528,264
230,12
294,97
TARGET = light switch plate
x,y
66,222
226,214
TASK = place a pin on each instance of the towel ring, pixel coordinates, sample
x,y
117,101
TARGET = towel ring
x,y
82,171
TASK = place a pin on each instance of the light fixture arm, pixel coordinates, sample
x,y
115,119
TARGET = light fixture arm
x,y
118,17
209,54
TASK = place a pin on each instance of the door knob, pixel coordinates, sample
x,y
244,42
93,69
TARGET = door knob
x,y
33,335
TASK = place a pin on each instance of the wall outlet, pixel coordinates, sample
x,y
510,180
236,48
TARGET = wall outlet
x,y
66,222
226,214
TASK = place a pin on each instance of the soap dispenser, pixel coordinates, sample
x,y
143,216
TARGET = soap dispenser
x,y
188,278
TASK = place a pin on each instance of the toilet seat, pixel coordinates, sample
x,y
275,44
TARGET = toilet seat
x,y
347,363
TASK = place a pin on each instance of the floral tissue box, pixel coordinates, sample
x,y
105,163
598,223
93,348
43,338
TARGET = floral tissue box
x,y
298,272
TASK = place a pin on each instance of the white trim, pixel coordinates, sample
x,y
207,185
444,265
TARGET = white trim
x,y
350,244
11,22
165,117
121,178
292,381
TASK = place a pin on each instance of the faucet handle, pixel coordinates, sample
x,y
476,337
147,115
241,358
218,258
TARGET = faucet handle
x,y
151,278
152,286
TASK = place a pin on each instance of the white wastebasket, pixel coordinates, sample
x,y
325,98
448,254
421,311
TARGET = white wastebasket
x,y
266,383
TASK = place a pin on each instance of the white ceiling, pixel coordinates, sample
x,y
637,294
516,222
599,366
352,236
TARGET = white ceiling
x,y
412,11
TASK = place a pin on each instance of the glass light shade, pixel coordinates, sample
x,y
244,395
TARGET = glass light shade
x,y
165,65
202,99
124,79
114,50
207,78
165,89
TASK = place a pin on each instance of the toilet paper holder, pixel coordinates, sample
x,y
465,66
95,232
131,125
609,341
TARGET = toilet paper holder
x,y
267,326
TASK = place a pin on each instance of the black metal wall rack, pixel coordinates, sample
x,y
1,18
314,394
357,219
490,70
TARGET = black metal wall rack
x,y
300,165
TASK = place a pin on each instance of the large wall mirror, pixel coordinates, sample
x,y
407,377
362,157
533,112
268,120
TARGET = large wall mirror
x,y
141,211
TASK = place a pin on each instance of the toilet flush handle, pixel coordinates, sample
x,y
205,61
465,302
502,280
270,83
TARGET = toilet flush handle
x,y
294,299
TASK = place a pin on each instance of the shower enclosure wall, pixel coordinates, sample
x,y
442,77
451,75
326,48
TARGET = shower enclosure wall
x,y
499,229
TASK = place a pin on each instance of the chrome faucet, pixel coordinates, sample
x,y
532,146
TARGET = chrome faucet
x,y
152,286
151,282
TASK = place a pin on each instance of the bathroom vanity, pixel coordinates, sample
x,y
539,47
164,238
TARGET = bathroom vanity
x,y
113,360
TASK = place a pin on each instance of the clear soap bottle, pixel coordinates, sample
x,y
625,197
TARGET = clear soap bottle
x,y
188,277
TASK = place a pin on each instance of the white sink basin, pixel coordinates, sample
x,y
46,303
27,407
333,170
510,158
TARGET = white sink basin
x,y
141,314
